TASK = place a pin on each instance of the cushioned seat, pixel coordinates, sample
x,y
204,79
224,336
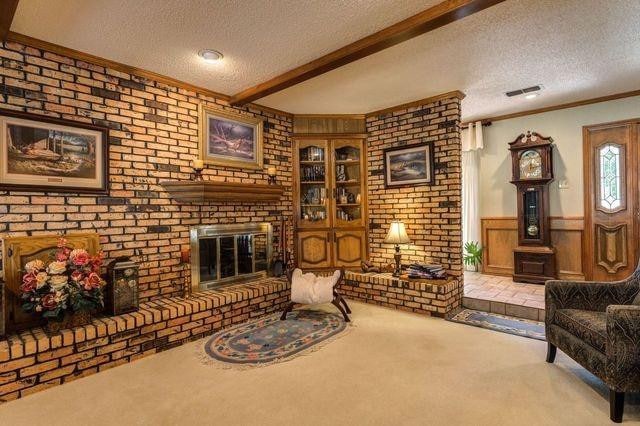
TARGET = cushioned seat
x,y
311,289
589,326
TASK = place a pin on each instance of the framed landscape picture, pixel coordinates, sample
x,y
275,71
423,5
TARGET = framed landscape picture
x,y
230,139
409,165
40,153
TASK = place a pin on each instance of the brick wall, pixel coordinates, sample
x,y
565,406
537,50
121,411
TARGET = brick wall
x,y
432,214
153,137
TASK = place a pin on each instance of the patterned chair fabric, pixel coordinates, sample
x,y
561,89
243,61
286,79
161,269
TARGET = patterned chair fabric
x,y
589,326
598,325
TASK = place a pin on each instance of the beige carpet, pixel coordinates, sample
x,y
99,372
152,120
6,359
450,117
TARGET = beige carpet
x,y
393,369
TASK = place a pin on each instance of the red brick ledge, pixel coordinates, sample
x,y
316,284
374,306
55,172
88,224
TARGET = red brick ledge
x,y
435,298
32,360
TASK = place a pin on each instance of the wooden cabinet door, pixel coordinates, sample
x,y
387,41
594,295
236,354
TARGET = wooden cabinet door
x,y
611,200
314,249
349,247
348,179
312,183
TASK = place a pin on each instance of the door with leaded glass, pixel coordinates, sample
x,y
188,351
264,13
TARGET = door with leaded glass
x,y
612,212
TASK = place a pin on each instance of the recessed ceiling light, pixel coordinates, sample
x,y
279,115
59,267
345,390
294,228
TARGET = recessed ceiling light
x,y
531,96
210,55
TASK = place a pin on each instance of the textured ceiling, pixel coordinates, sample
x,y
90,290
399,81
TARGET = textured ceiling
x,y
577,49
259,38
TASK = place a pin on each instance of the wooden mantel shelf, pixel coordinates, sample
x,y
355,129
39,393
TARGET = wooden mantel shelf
x,y
203,191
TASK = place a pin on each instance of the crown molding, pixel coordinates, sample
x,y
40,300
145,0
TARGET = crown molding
x,y
558,107
347,116
456,94
128,69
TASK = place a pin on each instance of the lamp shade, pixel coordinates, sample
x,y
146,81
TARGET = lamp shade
x,y
397,234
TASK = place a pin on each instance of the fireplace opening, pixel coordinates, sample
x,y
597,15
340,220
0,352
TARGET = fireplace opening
x,y
224,254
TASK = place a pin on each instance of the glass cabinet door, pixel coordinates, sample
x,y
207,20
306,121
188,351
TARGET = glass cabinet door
x,y
348,183
312,157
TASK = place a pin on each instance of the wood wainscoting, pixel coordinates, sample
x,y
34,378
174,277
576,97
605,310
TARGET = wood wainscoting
x,y
500,237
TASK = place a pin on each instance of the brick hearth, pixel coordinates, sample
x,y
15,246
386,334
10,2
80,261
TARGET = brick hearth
x,y
32,360
432,297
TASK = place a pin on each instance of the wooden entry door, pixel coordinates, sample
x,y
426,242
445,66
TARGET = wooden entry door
x,y
611,200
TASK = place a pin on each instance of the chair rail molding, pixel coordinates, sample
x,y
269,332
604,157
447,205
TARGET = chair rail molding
x,y
500,237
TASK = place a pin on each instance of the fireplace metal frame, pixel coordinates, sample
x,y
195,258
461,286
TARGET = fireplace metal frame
x,y
198,233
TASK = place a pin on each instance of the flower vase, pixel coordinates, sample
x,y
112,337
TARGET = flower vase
x,y
54,326
80,318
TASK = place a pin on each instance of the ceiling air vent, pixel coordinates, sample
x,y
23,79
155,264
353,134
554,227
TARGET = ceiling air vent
x,y
523,91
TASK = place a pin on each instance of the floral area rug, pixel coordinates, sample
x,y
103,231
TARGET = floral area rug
x,y
268,340
502,323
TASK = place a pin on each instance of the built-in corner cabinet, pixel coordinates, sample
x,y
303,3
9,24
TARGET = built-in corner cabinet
x,y
330,199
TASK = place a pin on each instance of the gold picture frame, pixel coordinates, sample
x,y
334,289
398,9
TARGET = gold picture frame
x,y
42,154
230,139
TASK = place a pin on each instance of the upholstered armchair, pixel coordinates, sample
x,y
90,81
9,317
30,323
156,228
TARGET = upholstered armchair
x,y
598,325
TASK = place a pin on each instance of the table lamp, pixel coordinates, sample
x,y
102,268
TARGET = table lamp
x,y
397,235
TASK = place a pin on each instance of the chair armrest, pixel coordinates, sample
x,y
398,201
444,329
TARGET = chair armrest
x,y
623,347
588,295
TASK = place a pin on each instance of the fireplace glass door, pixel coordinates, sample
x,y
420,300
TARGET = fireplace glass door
x,y
229,253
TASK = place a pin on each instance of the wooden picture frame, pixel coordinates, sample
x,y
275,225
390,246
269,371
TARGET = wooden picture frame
x,y
230,139
45,154
409,165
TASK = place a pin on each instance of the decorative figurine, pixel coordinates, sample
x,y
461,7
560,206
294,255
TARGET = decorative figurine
x,y
367,266
389,268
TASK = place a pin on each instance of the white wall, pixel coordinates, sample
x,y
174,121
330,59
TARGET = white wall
x,y
498,196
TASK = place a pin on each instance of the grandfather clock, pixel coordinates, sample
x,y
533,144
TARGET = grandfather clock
x,y
534,259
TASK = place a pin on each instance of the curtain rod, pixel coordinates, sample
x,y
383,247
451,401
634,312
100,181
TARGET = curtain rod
x,y
484,124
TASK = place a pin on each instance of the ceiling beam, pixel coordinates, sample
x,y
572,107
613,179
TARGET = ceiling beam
x,y
425,21
7,12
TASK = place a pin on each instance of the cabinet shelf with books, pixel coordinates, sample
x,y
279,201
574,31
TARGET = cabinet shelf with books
x,y
330,202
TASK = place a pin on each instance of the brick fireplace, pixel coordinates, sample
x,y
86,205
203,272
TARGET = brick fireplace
x,y
153,137
224,254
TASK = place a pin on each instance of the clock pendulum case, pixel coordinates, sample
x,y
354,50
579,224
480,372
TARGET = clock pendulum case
x,y
534,258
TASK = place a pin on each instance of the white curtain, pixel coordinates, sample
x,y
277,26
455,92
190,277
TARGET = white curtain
x,y
472,143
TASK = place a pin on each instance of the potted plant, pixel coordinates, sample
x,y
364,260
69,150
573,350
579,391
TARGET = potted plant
x,y
472,254
64,290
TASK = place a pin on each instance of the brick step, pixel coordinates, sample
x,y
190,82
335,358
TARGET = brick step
x,y
504,308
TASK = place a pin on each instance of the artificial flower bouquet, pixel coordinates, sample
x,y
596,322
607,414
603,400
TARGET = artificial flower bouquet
x,y
68,284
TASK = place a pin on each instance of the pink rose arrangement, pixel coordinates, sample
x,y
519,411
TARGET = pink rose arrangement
x,y
69,282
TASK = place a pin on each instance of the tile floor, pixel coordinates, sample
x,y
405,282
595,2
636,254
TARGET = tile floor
x,y
503,289
502,295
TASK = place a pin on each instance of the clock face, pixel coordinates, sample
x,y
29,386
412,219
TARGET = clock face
x,y
530,165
